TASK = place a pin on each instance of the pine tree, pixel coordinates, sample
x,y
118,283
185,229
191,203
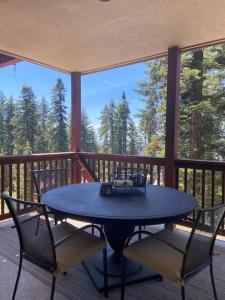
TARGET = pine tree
x,y
202,103
88,138
2,122
107,128
111,124
122,118
104,130
25,121
43,131
9,126
133,139
58,119
153,92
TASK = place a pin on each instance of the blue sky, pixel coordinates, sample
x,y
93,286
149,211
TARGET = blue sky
x,y
97,88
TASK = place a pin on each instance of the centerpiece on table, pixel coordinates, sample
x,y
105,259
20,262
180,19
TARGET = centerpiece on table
x,y
129,180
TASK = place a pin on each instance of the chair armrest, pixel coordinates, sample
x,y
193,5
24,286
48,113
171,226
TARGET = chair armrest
x,y
153,235
135,233
102,235
28,219
68,236
63,239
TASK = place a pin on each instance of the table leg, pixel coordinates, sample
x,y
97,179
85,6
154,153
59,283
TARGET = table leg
x,y
116,235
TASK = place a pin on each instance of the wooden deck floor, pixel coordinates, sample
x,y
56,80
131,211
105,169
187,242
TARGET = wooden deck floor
x,y
77,285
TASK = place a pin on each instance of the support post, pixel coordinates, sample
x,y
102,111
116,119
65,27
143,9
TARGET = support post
x,y
172,115
75,123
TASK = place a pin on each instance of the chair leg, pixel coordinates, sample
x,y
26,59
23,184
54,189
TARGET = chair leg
x,y
53,288
38,224
18,277
183,291
123,278
105,272
213,282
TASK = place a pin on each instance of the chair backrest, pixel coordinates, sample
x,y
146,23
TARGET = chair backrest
x,y
203,235
34,231
47,179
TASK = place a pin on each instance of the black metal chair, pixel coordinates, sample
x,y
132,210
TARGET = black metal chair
x,y
47,179
176,256
55,249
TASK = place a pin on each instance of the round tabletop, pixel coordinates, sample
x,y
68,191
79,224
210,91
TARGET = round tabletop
x,y
83,202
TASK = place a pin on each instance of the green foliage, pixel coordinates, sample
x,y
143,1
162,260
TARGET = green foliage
x,y
202,105
58,119
152,116
2,121
117,131
88,138
9,126
25,121
122,118
43,134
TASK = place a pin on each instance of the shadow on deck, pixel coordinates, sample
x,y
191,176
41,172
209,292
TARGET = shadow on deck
x,y
35,283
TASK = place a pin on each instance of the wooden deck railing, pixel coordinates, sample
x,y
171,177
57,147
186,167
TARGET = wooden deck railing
x,y
15,173
203,179
102,165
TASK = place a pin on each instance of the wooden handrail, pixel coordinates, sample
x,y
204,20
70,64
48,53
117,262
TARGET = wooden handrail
x,y
200,164
35,157
123,158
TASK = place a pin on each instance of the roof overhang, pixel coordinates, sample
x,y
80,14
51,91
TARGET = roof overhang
x,y
90,35
6,60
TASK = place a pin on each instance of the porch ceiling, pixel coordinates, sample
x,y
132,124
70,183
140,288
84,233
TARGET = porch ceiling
x,y
89,35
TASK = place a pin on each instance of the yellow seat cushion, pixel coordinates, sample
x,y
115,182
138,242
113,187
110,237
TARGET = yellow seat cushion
x,y
164,259
75,249
198,252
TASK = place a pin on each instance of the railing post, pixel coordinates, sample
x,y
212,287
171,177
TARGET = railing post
x,y
172,115
75,123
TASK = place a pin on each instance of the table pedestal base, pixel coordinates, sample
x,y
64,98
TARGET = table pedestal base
x,y
136,273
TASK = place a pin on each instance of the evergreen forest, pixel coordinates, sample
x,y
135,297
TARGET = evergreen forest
x,y
30,125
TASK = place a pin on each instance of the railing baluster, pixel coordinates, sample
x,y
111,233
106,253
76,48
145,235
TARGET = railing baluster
x,y
213,188
103,170
94,167
194,182
25,180
194,188
109,170
151,174
185,180
158,175
2,188
31,182
114,166
10,179
203,188
18,181
99,171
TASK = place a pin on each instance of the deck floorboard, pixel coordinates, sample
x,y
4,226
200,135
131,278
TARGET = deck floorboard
x,y
77,284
